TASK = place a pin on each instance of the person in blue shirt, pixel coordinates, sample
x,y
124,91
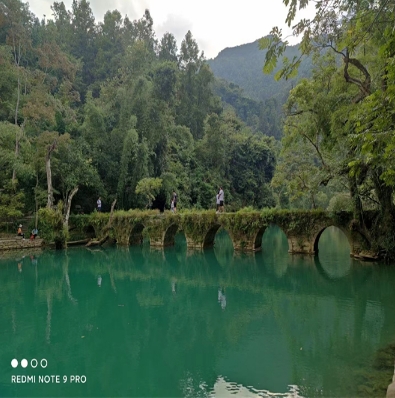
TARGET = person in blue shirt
x,y
34,233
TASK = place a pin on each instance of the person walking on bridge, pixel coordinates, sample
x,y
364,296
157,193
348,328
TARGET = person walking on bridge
x,y
221,200
174,201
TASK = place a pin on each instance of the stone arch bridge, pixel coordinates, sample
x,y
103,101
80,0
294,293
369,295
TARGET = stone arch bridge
x,y
245,228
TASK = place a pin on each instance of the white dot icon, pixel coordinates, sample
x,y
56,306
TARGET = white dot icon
x,y
14,363
24,363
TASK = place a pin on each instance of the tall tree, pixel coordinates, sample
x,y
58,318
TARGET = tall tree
x,y
168,50
16,22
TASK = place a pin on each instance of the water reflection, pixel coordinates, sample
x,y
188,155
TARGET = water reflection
x,y
275,257
174,322
333,250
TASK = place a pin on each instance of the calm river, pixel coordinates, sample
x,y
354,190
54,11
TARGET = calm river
x,y
135,322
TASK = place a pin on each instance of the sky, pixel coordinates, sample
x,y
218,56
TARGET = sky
x,y
215,24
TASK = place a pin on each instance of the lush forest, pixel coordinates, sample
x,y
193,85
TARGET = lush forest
x,y
107,109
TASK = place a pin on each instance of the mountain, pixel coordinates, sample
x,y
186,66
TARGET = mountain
x,y
243,66
264,117
256,97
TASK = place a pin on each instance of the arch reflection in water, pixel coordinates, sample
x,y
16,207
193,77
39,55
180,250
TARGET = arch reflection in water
x,y
223,248
334,253
274,255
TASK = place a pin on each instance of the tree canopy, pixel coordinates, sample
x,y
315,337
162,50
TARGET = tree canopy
x,y
92,109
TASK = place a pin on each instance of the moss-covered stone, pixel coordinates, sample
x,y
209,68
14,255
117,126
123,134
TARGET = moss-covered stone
x,y
245,227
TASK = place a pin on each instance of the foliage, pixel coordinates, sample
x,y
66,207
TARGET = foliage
x,y
11,202
51,226
341,201
149,187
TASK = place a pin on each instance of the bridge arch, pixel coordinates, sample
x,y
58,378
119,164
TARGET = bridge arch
x,y
136,234
258,239
317,237
89,231
356,240
170,234
209,237
269,228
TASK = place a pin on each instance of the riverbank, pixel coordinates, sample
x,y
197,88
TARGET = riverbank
x,y
17,243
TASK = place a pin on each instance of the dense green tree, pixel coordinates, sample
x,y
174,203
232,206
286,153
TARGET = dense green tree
x,y
149,188
168,48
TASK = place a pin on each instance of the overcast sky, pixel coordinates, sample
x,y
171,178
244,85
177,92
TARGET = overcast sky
x,y
215,24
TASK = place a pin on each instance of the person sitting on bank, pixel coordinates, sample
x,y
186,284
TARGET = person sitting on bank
x,y
34,233
20,232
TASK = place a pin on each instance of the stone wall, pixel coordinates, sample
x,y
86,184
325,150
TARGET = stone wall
x,y
19,243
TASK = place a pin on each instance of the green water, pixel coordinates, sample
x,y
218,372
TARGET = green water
x,y
141,323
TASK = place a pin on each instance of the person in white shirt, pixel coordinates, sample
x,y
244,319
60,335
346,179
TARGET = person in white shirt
x,y
221,200
98,204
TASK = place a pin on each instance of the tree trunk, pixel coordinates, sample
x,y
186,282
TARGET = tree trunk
x,y
105,229
68,207
357,203
16,156
18,97
49,181
112,213
50,200
384,195
36,201
312,200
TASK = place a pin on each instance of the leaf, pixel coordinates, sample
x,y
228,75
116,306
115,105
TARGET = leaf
x,y
265,42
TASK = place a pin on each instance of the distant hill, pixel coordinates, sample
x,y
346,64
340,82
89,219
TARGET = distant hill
x,y
243,66
264,117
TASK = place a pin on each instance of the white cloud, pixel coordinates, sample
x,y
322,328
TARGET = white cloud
x,y
178,25
215,24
